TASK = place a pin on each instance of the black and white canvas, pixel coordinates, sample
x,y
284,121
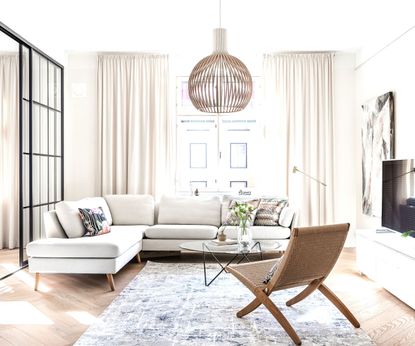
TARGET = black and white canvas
x,y
377,145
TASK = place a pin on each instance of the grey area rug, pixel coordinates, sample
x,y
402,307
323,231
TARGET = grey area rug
x,y
168,304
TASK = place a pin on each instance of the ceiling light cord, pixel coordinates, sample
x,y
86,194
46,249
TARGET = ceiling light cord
x,y
220,13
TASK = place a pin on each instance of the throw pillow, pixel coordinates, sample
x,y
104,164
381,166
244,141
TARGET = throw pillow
x,y
269,211
271,272
94,221
232,220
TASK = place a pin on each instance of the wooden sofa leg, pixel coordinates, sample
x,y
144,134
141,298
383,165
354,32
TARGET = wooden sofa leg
x,y
138,258
110,279
37,279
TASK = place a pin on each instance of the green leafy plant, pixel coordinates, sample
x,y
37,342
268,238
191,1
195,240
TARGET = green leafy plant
x,y
407,234
244,212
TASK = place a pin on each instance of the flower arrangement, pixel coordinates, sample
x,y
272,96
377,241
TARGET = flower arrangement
x,y
244,212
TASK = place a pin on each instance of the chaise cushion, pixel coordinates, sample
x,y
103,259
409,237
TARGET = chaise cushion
x,y
131,209
181,232
259,232
110,245
69,218
189,210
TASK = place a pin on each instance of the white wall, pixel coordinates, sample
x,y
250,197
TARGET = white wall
x,y
377,72
345,158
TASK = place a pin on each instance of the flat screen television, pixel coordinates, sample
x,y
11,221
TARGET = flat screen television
x,y
398,195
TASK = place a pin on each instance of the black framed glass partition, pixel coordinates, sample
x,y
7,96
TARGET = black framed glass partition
x,y
41,119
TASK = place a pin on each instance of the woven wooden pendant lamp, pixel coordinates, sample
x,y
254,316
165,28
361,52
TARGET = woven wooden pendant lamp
x,y
220,83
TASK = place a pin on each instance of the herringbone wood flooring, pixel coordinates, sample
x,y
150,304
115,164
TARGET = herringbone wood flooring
x,y
60,312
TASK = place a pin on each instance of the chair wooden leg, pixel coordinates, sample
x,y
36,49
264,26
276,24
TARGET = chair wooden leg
x,y
37,279
249,308
110,279
339,305
279,317
304,293
138,258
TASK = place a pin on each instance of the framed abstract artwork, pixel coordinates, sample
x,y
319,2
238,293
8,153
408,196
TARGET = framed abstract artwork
x,y
377,145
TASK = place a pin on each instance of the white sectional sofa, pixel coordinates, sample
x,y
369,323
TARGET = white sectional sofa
x,y
137,224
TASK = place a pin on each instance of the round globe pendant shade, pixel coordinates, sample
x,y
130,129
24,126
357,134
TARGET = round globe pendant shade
x,y
220,83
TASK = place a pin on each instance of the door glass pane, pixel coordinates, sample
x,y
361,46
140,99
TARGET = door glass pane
x,y
58,89
26,231
51,132
52,85
58,179
35,77
36,129
58,141
26,178
44,186
25,60
25,126
36,179
51,179
43,81
43,135
36,223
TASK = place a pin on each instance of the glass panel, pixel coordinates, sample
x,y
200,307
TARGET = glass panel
x,y
25,126
44,186
26,230
36,180
51,179
43,210
26,178
25,59
52,85
58,179
36,129
58,88
51,133
35,77
36,223
58,134
43,81
43,135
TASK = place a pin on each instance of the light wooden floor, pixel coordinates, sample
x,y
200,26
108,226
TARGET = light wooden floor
x,y
61,311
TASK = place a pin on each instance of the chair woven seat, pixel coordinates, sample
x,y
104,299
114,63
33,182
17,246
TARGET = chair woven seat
x,y
255,272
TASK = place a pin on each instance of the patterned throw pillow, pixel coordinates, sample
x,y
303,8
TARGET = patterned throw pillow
x,y
271,272
232,220
269,211
94,221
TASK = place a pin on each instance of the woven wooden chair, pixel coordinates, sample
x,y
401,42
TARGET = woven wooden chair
x,y
310,256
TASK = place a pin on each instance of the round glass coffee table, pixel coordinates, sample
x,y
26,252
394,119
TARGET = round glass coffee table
x,y
238,253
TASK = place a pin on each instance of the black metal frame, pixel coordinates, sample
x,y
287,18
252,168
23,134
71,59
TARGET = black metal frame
x,y
24,44
243,254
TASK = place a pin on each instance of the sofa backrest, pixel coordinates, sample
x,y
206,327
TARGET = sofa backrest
x,y
189,210
131,209
53,228
68,214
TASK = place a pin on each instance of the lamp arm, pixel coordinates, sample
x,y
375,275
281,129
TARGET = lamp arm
x,y
309,176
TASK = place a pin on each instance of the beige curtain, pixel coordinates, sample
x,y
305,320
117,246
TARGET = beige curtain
x,y
136,129
299,131
9,151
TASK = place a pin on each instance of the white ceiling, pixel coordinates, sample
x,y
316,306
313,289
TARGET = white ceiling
x,y
186,25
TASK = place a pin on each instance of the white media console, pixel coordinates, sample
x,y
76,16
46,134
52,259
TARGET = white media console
x,y
388,259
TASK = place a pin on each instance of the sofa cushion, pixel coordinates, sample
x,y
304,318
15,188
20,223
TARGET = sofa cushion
x,y
259,232
110,245
269,211
189,210
131,209
181,232
94,221
286,217
69,218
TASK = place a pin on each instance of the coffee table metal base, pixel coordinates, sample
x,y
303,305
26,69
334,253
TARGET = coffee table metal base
x,y
243,256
